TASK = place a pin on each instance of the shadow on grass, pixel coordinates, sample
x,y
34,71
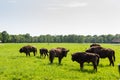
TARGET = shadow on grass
x,y
38,57
100,65
84,70
55,64
88,71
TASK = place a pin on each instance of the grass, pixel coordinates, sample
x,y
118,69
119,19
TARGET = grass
x,y
16,66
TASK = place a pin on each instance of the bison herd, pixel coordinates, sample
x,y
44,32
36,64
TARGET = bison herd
x,y
93,54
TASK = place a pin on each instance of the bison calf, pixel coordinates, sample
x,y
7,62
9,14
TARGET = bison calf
x,y
43,52
58,52
82,57
27,49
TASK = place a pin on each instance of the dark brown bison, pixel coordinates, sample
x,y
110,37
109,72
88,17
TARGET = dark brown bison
x,y
82,57
43,52
58,52
61,48
94,44
103,53
27,49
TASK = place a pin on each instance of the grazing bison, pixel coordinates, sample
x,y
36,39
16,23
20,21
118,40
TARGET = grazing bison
x,y
61,48
58,52
94,44
103,53
82,57
43,52
27,49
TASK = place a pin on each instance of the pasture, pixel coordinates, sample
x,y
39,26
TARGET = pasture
x,y
16,66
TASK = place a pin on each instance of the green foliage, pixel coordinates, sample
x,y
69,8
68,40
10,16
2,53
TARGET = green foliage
x,y
5,36
0,36
72,38
16,66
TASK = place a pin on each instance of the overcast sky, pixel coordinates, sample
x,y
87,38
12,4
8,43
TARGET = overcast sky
x,y
56,17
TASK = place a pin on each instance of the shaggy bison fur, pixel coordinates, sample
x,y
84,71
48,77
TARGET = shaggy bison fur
x,y
103,53
27,49
57,52
94,44
43,52
82,57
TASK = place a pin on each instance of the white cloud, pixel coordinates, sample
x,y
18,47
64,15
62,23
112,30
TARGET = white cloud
x,y
62,5
76,4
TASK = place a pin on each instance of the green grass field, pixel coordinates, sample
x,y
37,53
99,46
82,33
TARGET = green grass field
x,y
16,66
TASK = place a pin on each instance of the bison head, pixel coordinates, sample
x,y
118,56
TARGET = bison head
x,y
77,56
89,50
21,50
73,57
65,52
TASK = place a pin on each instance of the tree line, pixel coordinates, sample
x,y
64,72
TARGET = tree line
x,y
72,38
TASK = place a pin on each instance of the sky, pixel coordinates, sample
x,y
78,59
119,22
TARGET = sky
x,y
60,17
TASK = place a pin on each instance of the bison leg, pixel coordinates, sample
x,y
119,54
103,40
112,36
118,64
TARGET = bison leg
x,y
41,54
81,65
46,54
34,53
95,66
111,61
59,60
97,61
27,54
51,58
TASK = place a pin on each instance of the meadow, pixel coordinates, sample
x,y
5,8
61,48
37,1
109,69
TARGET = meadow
x,y
16,66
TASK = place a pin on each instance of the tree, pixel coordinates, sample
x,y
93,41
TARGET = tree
x,y
88,39
58,38
0,36
100,39
109,38
28,38
81,39
5,36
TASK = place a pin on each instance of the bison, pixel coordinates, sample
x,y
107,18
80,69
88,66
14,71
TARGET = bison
x,y
27,49
43,52
57,52
82,57
61,48
103,53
